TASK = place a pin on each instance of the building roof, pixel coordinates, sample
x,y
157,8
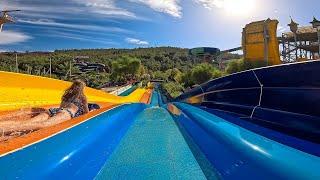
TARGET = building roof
x,y
306,33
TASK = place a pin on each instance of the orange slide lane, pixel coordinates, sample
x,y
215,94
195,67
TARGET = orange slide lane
x,y
36,136
146,97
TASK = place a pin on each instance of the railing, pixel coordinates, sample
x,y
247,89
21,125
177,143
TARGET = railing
x,y
121,90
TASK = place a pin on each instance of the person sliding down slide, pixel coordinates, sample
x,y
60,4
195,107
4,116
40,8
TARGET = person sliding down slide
x,y
73,104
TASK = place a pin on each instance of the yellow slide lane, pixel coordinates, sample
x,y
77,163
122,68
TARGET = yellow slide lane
x,y
21,90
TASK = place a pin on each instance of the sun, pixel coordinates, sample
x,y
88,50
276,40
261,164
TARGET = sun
x,y
239,7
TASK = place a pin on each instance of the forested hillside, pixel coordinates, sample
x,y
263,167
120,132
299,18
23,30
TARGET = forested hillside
x,y
173,65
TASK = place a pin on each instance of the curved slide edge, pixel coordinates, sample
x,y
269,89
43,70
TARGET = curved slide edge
x,y
285,98
78,152
238,153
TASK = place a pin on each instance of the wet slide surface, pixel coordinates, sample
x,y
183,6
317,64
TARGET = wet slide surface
x,y
154,99
215,127
153,148
237,153
129,141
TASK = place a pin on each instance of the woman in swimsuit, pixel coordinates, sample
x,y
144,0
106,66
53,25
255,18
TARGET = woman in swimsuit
x,y
73,104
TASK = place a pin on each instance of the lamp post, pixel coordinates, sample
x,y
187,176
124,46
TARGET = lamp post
x,y
294,29
17,64
316,24
50,70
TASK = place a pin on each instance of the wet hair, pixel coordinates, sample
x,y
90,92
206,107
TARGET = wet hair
x,y
75,93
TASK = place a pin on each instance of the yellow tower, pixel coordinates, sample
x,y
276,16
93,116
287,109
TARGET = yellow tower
x,y
260,43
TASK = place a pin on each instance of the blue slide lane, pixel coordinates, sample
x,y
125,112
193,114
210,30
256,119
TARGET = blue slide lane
x,y
77,153
237,153
154,99
153,148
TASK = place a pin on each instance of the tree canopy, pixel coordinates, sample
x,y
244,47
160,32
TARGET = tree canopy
x,y
172,65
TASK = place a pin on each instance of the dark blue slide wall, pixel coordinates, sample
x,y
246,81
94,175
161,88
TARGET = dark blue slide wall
x,y
285,98
257,124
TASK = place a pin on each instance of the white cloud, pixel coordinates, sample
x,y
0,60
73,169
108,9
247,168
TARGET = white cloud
x,y
60,8
170,7
48,22
137,41
210,4
78,37
105,7
3,50
282,29
232,7
12,37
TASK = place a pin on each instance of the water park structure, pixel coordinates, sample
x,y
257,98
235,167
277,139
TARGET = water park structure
x,y
261,43
6,18
255,124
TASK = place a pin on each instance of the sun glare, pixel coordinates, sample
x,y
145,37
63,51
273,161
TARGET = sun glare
x,y
239,7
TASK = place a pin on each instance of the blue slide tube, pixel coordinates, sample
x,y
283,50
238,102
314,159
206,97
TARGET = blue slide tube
x,y
237,153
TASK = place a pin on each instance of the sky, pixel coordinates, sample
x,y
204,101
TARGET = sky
x,y
44,25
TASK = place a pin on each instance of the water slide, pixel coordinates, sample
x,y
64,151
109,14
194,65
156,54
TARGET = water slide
x,y
21,90
132,140
257,124
261,123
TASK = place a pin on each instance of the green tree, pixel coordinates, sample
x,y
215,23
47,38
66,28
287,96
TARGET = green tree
x,y
173,89
125,68
202,73
233,67
238,65
199,74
